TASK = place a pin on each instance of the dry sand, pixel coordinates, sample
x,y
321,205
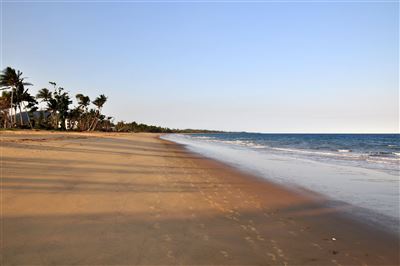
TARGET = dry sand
x,y
133,199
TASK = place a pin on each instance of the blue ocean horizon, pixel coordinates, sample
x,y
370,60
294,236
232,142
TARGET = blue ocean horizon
x,y
381,151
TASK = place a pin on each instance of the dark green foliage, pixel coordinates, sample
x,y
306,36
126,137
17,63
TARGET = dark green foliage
x,y
135,127
12,81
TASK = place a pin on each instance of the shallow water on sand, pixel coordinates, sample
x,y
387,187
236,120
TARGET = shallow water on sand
x,y
345,168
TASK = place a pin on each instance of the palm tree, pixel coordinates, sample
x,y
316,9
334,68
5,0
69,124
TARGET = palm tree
x,y
83,104
45,95
18,94
57,104
99,103
83,101
5,105
73,117
61,102
12,80
22,96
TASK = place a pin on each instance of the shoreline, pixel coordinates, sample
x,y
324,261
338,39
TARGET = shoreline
x,y
111,198
371,195
339,208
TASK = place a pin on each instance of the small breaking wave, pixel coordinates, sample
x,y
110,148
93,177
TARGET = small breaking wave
x,y
358,151
348,154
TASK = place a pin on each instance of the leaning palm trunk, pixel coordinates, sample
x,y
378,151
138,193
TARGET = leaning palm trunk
x,y
94,121
95,124
21,121
15,114
97,119
87,123
6,118
51,118
55,120
43,117
27,115
11,107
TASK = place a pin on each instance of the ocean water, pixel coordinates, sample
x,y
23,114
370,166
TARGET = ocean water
x,y
361,170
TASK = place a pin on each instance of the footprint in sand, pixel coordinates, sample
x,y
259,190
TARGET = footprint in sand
x,y
232,218
273,257
279,251
170,254
167,238
252,228
224,253
336,263
283,222
156,226
248,239
316,245
260,238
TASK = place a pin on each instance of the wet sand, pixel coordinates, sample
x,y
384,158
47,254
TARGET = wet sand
x,y
134,199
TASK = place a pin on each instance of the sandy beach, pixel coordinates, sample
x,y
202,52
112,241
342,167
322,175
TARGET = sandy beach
x,y
134,199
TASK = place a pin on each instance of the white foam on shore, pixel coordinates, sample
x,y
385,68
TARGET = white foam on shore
x,y
368,189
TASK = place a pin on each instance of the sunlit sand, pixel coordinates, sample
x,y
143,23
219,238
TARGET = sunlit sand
x,y
97,198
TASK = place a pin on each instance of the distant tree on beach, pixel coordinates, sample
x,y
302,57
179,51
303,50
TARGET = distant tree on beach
x,y
58,103
99,103
5,105
82,110
25,103
12,80
44,95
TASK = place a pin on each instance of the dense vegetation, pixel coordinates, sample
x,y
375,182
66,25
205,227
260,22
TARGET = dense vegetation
x,y
20,109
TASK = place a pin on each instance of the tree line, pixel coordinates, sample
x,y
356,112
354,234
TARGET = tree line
x,y
20,109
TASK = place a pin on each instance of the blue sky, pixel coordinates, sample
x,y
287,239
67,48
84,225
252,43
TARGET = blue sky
x,y
261,67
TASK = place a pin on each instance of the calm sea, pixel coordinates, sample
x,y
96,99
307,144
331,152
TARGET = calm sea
x,y
359,169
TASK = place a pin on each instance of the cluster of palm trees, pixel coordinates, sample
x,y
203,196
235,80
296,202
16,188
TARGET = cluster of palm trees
x,y
19,109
